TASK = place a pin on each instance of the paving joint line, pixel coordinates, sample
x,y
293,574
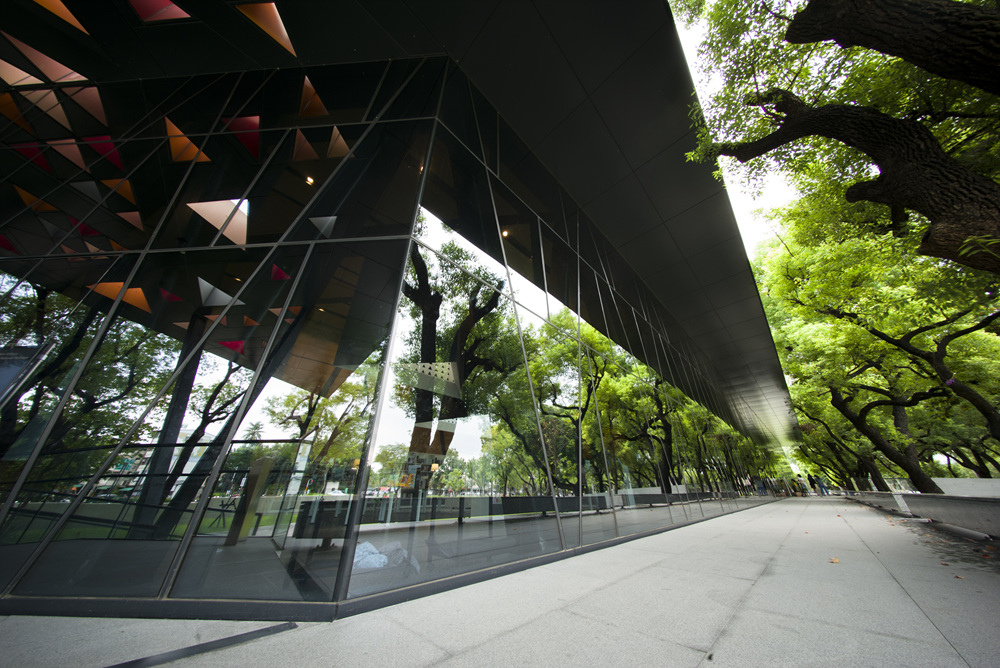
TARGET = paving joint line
x,y
202,648
905,591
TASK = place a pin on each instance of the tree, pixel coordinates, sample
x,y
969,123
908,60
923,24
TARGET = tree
x,y
933,142
893,343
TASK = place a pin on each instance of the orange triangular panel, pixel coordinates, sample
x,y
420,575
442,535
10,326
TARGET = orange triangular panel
x,y
310,105
66,249
15,76
137,298
50,67
183,325
122,187
116,246
266,16
213,318
182,149
249,322
9,109
32,201
59,9
91,247
88,98
303,149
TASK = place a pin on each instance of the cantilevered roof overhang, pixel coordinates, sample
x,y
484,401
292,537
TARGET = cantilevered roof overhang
x,y
598,90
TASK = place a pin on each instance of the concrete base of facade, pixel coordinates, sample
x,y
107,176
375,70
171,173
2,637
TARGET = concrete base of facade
x,y
804,581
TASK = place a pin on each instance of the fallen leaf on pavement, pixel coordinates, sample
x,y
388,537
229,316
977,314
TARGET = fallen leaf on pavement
x,y
945,563
834,560
959,577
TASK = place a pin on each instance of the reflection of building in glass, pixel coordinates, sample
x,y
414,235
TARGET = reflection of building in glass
x,y
471,281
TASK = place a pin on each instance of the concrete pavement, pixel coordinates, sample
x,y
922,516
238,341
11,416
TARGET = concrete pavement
x,y
800,582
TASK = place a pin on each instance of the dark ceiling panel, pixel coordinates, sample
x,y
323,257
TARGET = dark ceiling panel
x,y
597,37
521,71
649,82
633,214
584,158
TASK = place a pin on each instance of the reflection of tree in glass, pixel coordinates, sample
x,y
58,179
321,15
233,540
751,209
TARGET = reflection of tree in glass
x,y
461,323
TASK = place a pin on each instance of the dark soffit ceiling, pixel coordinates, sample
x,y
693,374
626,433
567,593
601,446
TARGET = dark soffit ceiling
x,y
599,90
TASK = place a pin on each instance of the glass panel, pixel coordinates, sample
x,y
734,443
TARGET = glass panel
x,y
277,517
525,175
560,272
457,112
457,480
457,194
487,119
420,96
522,248
598,515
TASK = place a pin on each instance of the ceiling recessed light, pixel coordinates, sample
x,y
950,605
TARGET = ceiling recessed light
x,y
309,180
505,232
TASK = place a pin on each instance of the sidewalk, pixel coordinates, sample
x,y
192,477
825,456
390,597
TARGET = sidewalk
x,y
754,588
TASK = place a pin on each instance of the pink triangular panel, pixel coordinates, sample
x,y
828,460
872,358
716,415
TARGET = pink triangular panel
x,y
290,321
47,102
7,245
247,131
132,217
90,100
183,325
303,149
51,68
84,229
106,148
66,249
169,296
69,150
157,10
15,76
277,274
33,153
238,346
91,247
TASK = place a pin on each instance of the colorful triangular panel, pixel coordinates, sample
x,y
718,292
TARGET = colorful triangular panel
x,y
121,187
303,149
266,16
237,346
106,148
47,102
338,147
133,218
69,150
169,296
277,274
15,76
33,153
182,149
9,108
35,203
7,245
90,99
59,9
249,322
50,67
218,212
213,318
157,10
247,131
310,105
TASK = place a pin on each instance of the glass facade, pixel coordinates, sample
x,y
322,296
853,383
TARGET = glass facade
x,y
317,333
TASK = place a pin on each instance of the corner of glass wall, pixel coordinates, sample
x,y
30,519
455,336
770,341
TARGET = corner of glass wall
x,y
456,463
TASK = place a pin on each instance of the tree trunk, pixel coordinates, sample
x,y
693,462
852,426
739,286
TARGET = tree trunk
x,y
955,40
915,172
